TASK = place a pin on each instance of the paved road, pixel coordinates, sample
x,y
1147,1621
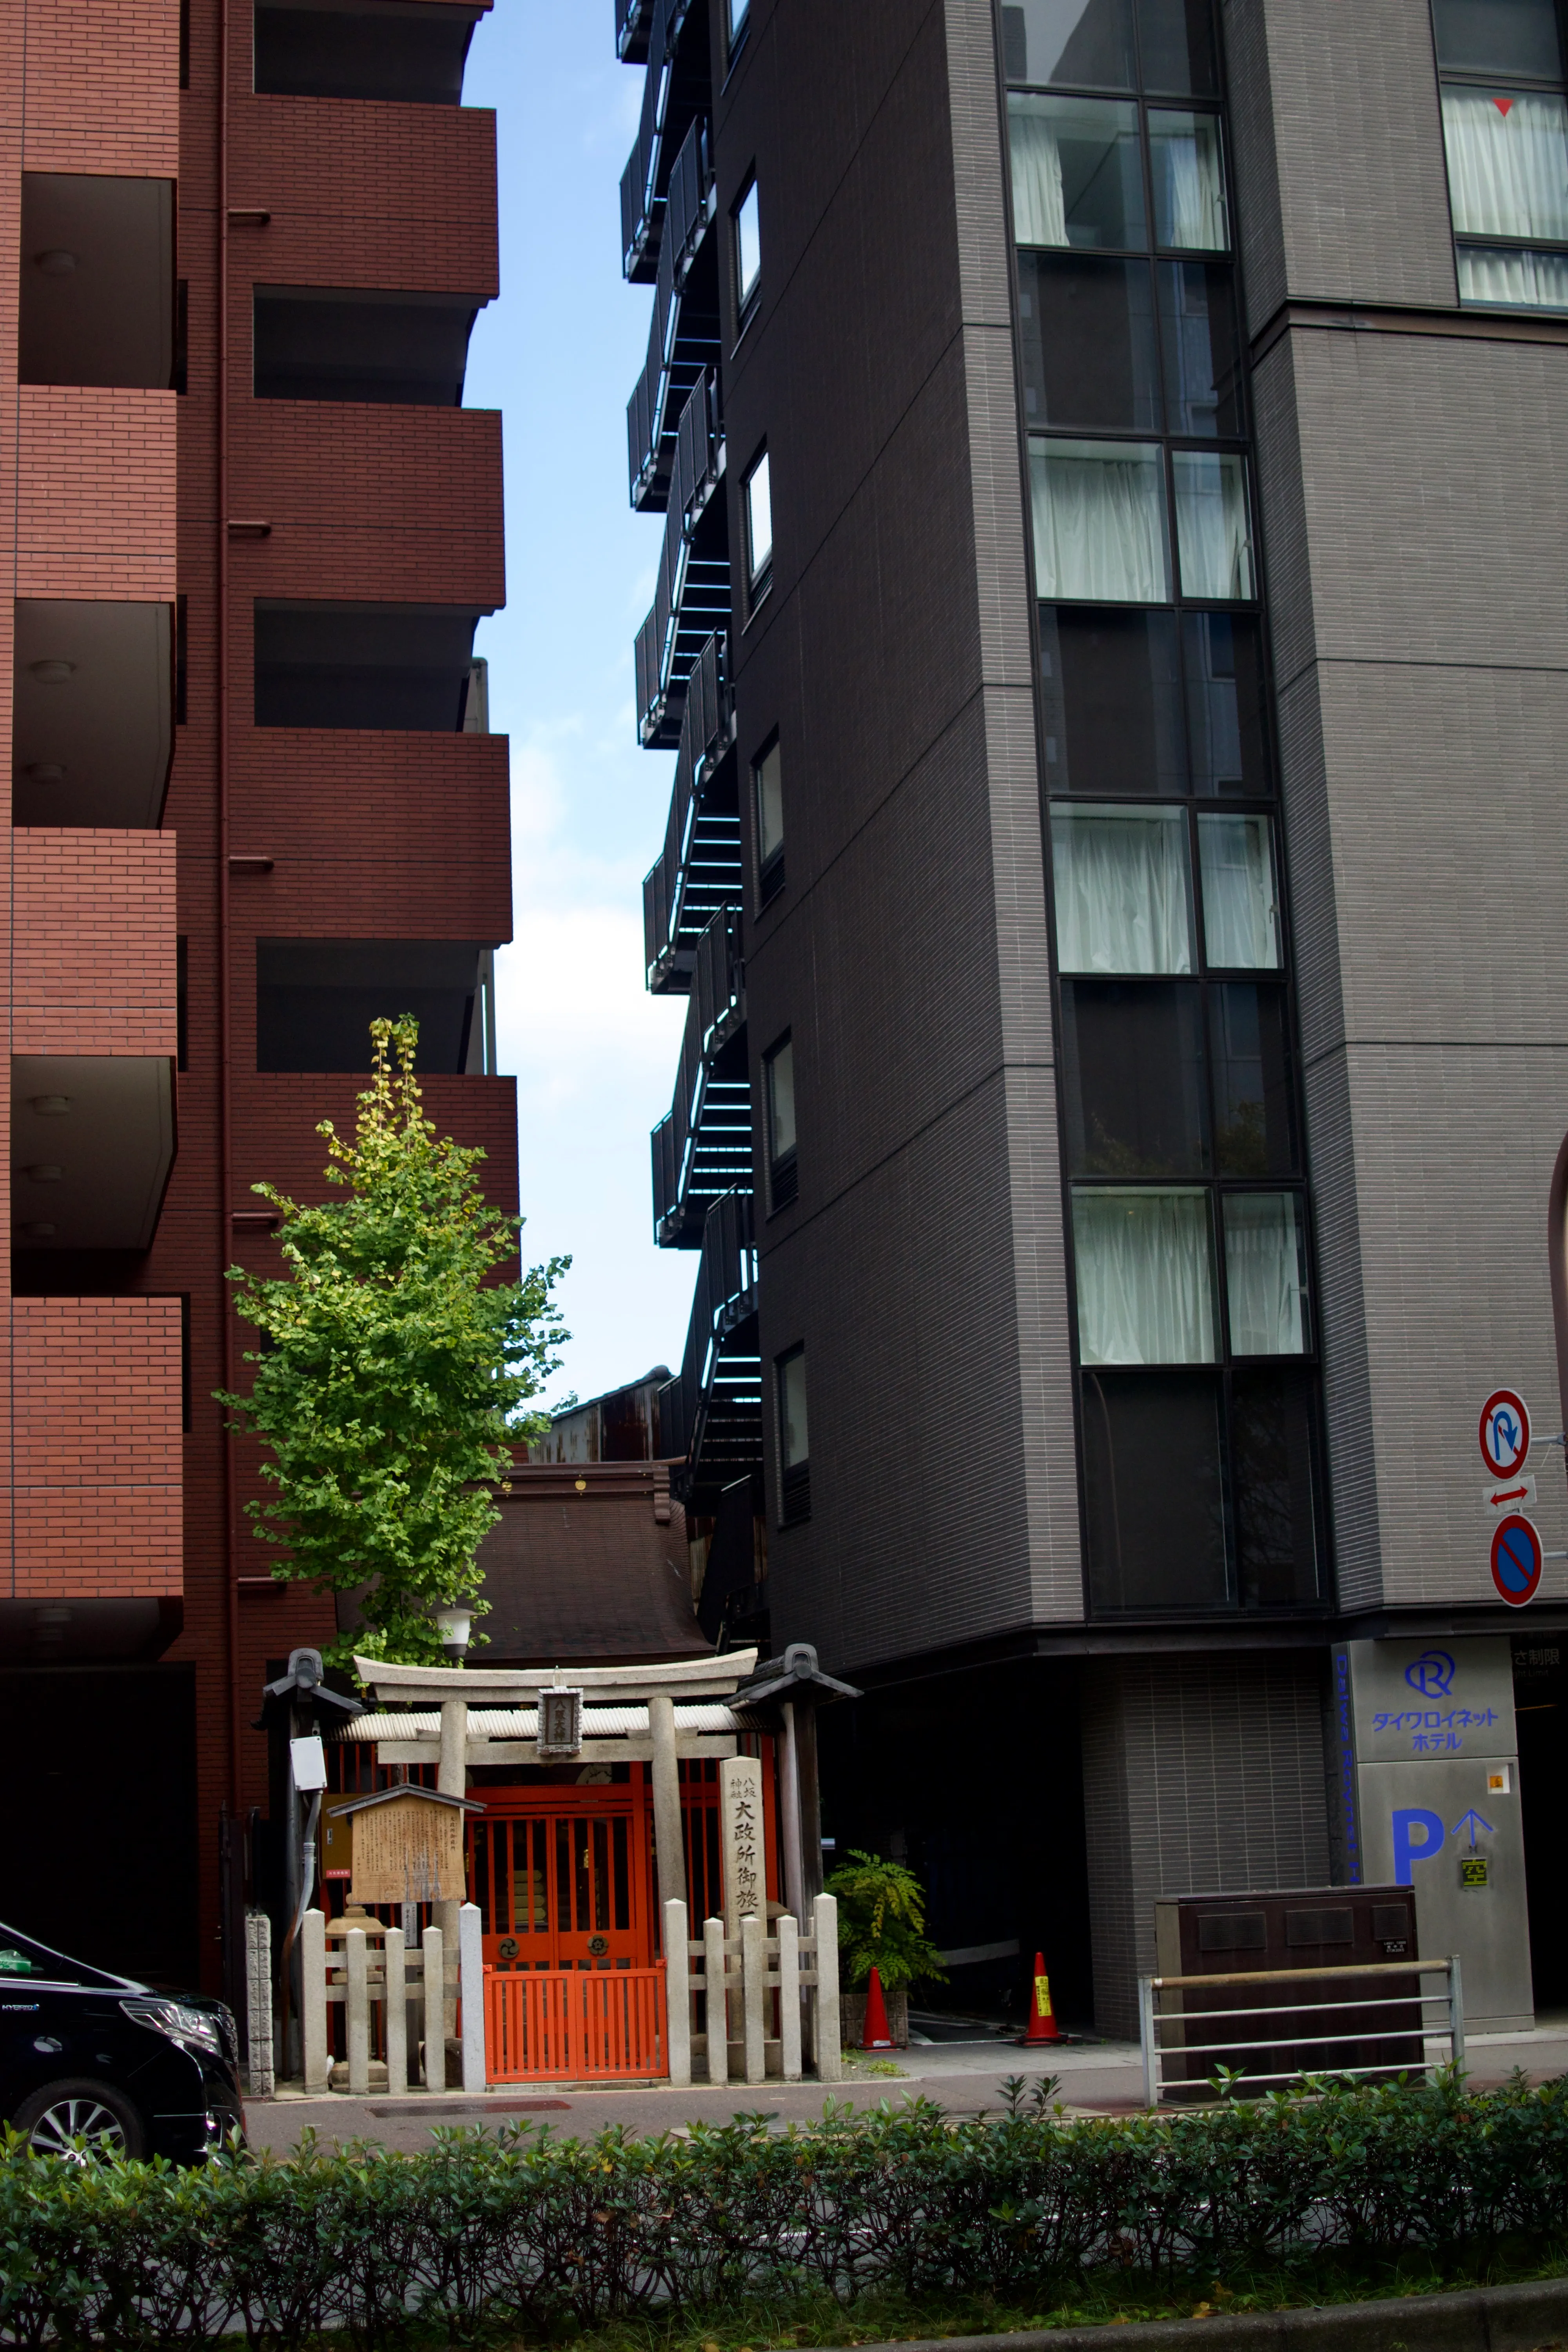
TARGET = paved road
x,y
1102,2078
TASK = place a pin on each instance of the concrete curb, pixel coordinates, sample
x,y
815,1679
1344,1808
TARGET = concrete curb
x,y
1529,2318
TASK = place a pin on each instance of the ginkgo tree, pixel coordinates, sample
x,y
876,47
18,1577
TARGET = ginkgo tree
x,y
393,1369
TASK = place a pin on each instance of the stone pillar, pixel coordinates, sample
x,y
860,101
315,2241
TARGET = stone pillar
x,y
1202,1774
452,1781
669,1837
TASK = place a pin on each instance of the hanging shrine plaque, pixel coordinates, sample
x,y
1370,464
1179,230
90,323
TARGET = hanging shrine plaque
x,y
745,1864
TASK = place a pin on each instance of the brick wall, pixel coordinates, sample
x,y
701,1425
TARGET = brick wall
x,y
103,86
91,1478
93,954
96,510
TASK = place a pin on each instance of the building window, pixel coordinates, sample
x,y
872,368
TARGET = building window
x,y
1505,133
758,510
795,1453
767,781
1200,1412
778,1070
748,254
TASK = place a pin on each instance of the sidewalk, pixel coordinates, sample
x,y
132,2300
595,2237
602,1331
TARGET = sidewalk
x,y
965,2077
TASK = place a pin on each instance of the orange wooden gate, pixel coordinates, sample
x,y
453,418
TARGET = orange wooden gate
x,y
571,2025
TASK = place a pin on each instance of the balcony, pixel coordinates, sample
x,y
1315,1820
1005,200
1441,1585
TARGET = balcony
x,y
92,711
683,334
691,598
710,1414
699,869
702,1147
634,22
90,1483
676,90
93,1037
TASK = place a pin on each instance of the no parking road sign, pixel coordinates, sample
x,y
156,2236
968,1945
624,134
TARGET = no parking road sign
x,y
1504,1433
1516,1559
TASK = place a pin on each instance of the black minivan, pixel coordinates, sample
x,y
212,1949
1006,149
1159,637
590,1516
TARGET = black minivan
x,y
94,2061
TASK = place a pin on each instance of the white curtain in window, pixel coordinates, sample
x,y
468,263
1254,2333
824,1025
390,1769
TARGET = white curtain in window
x,y
1508,162
1121,890
1189,181
1100,521
1263,1272
1145,1289
1240,920
1211,535
1525,282
1038,216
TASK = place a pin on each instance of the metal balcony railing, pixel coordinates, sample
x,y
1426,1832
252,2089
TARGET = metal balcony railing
x,y
691,598
702,1147
676,85
711,1412
698,870
683,332
634,21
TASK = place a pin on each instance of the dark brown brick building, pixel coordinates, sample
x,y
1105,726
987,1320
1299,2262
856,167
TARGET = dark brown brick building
x,y
251,529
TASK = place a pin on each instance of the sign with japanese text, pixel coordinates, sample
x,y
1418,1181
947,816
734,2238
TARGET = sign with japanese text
x,y
746,1859
1450,1698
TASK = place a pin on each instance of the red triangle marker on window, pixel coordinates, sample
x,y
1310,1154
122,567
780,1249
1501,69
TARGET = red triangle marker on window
x,y
1502,104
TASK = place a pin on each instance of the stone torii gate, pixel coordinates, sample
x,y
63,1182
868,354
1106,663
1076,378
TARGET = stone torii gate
x,y
683,1704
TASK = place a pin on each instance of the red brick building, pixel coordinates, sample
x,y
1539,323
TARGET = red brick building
x,y
250,529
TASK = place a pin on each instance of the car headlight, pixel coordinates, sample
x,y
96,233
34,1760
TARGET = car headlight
x,y
193,2028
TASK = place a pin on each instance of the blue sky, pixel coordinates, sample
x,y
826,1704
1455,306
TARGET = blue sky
x,y
593,1053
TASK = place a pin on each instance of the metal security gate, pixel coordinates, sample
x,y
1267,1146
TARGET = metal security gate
x,y
561,1879
571,2025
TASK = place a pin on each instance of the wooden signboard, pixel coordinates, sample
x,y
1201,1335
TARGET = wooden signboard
x,y
408,1847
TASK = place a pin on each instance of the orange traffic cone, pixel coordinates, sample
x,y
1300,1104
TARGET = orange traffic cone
x,y
1042,2026
876,2035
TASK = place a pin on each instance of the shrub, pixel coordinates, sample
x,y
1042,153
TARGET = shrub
x,y
513,2228
881,1922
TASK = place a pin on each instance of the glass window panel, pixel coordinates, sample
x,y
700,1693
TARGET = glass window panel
x,y
1241,917
1499,36
1123,895
748,247
1271,1463
1089,356
1250,1061
1226,726
1265,1273
793,1437
739,12
1100,521
759,516
1077,41
1188,172
1132,1054
781,1101
1518,281
1077,172
1176,46
1508,161
1201,345
1113,701
1154,1491
1144,1265
1213,535
769,774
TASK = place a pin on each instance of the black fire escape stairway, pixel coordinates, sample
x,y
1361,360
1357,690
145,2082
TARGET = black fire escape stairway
x,y
711,1412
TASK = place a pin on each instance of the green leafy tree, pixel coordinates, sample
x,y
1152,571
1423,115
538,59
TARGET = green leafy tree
x,y
392,1371
881,1922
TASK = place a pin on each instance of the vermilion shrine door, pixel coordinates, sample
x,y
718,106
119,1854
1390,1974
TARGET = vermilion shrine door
x,y
561,1877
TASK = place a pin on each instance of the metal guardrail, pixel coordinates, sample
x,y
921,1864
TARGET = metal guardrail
x,y
1354,2034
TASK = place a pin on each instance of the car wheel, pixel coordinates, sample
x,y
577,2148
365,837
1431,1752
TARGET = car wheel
x,y
54,2120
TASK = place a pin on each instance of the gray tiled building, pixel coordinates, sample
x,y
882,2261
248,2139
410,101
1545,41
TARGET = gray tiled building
x,y
1113,625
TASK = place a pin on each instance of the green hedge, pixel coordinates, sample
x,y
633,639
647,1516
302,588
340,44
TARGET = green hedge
x,y
552,2235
